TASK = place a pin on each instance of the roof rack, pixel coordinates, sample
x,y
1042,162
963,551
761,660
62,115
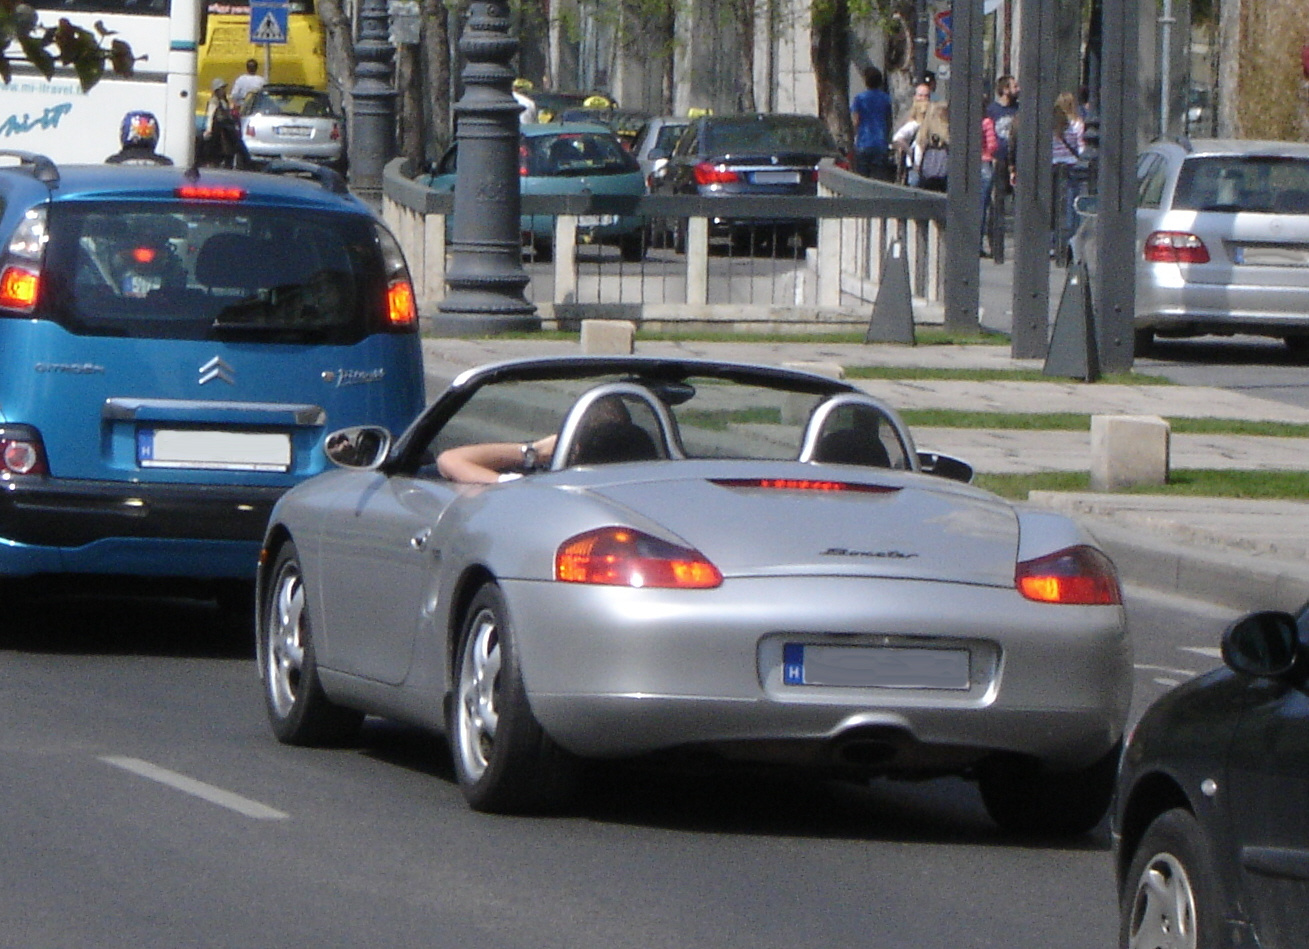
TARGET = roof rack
x,y
329,179
43,169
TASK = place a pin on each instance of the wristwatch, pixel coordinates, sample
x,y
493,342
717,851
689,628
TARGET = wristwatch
x,y
529,455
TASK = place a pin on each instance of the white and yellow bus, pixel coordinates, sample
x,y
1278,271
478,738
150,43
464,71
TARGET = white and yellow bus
x,y
56,118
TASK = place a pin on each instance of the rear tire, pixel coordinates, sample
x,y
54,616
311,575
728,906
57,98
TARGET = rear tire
x,y
504,760
299,711
1171,895
1024,798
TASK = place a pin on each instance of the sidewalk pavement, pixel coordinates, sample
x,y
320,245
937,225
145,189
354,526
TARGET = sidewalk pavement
x,y
1239,554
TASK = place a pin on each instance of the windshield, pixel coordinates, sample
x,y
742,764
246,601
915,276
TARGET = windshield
x,y
1265,184
212,272
574,153
767,135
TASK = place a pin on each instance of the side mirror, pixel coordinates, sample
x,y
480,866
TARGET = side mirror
x,y
1087,204
1265,645
945,466
362,447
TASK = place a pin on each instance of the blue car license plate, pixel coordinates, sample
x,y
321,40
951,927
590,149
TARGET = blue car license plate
x,y
215,450
882,667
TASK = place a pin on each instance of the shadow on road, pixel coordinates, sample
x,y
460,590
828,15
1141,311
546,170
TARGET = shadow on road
x,y
161,620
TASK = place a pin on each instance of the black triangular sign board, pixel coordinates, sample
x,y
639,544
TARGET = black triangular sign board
x,y
893,310
1073,352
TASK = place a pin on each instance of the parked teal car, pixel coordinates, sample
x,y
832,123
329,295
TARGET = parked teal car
x,y
575,158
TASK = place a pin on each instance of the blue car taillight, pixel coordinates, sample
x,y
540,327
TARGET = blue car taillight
x,y
21,452
20,277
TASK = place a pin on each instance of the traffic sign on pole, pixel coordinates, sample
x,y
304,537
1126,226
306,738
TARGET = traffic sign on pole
x,y
268,21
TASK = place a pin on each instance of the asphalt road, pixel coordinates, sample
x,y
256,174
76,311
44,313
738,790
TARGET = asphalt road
x,y
146,805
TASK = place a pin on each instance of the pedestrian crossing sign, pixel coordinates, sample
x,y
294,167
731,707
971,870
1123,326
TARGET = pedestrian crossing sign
x,y
268,22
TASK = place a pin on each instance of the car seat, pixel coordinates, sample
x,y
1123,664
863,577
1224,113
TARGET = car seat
x,y
852,446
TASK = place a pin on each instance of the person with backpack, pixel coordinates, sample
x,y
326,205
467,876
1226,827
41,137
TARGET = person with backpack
x,y
932,144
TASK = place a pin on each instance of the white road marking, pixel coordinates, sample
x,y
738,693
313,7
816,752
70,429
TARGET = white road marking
x,y
1188,673
1169,683
1209,652
206,792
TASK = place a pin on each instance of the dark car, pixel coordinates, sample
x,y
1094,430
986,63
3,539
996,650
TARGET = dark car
x,y
749,155
174,346
1211,817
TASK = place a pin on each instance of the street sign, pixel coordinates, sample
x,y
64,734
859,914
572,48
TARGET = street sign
x,y
268,21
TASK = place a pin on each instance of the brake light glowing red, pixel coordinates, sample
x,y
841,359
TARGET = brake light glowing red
x,y
19,288
803,484
400,307
1175,247
143,255
21,457
1076,575
707,173
620,556
522,161
210,193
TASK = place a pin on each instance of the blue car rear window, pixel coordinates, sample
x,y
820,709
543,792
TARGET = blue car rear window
x,y
212,272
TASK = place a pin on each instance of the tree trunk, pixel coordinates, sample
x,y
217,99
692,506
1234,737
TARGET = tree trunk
x,y
339,43
436,89
830,52
744,12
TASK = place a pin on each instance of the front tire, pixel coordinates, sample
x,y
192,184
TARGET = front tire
x,y
1170,896
1023,797
503,759
299,711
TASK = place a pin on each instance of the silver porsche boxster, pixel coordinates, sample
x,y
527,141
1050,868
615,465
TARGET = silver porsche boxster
x,y
747,563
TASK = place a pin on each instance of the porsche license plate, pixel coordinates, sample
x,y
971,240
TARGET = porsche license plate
x,y
215,450
882,667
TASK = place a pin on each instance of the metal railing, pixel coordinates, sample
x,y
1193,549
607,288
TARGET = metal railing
x,y
803,264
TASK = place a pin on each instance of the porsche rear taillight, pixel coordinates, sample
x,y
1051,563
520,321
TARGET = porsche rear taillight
x,y
707,173
1175,247
21,457
1075,575
620,556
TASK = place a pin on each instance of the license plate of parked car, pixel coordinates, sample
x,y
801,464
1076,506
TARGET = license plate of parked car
x,y
230,451
294,131
776,177
875,667
596,220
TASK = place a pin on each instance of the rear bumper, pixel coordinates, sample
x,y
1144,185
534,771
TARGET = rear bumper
x,y
1164,301
612,672
199,530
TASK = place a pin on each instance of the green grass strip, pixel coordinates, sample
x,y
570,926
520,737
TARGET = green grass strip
x,y
893,373
1186,482
1076,422
930,337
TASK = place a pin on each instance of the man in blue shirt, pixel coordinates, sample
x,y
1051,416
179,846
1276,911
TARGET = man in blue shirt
x,y
871,114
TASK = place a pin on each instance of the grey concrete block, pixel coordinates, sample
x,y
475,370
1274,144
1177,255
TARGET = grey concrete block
x,y
608,337
1127,450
